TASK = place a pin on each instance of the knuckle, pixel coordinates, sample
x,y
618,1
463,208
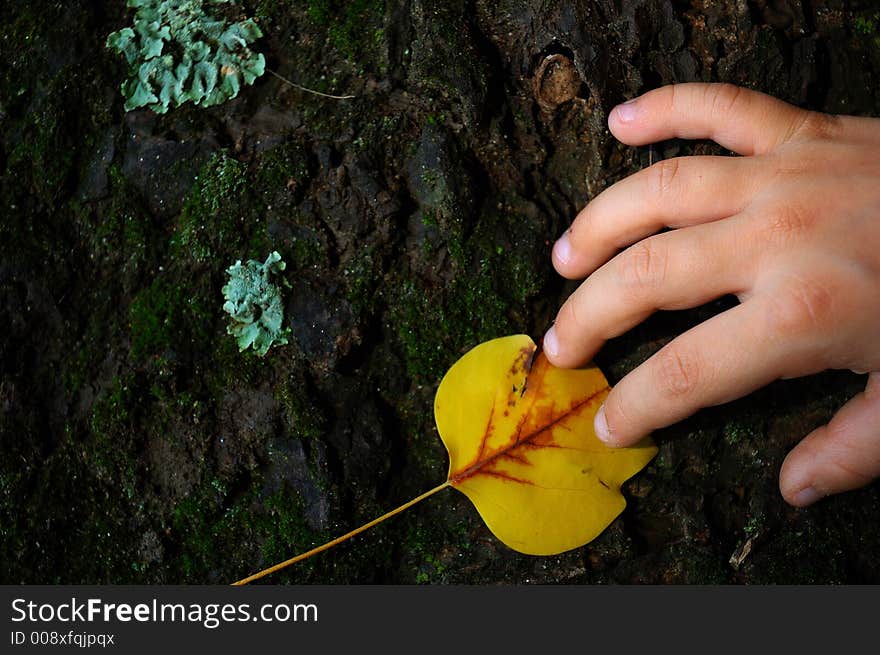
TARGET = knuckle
x,y
847,460
662,176
642,266
787,166
677,372
814,126
803,307
586,228
570,317
789,222
724,98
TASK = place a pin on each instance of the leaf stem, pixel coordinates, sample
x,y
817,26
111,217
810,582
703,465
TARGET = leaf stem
x,y
306,89
339,540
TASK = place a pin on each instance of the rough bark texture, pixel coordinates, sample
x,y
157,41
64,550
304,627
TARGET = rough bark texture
x,y
138,445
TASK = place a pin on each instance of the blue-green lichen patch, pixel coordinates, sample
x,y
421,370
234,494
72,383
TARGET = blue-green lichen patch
x,y
185,50
254,303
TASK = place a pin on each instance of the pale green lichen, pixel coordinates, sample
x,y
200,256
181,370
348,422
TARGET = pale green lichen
x,y
255,305
179,51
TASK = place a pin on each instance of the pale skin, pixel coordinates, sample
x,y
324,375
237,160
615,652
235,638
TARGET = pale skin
x,y
792,228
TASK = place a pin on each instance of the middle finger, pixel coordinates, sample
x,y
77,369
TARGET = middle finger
x,y
674,270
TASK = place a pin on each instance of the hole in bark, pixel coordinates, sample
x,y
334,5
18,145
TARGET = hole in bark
x,y
556,79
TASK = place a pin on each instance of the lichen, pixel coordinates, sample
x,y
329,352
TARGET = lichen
x,y
254,303
178,52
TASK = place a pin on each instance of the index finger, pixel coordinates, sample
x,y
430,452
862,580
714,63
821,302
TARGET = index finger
x,y
745,121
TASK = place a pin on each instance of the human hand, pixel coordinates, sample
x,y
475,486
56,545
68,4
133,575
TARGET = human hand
x,y
792,229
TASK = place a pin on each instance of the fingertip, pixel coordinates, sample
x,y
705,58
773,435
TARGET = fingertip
x,y
610,426
794,476
600,426
806,497
801,494
561,254
550,344
568,263
563,351
627,112
623,118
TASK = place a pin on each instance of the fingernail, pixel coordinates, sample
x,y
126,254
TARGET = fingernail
x,y
551,342
807,496
600,425
626,113
562,249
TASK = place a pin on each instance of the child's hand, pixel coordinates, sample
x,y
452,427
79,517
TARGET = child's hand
x,y
792,228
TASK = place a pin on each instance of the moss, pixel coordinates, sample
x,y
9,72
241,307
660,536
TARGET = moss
x,y
284,528
42,158
305,420
753,525
34,103
269,13
445,63
867,24
422,543
112,443
221,219
231,367
435,328
487,297
695,565
744,428
440,206
284,167
308,251
51,106
522,280
361,278
80,510
250,532
118,232
868,27
90,540
170,315
353,28
14,535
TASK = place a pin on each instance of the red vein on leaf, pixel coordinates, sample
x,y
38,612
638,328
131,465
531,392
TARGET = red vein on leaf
x,y
477,467
508,477
486,432
516,458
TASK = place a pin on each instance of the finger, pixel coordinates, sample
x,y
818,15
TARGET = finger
x,y
843,455
671,193
747,122
673,270
722,359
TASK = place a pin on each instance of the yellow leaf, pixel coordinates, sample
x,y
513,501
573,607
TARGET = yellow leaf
x,y
522,447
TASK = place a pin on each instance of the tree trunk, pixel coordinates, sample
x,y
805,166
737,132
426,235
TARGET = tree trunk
x,y
137,444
